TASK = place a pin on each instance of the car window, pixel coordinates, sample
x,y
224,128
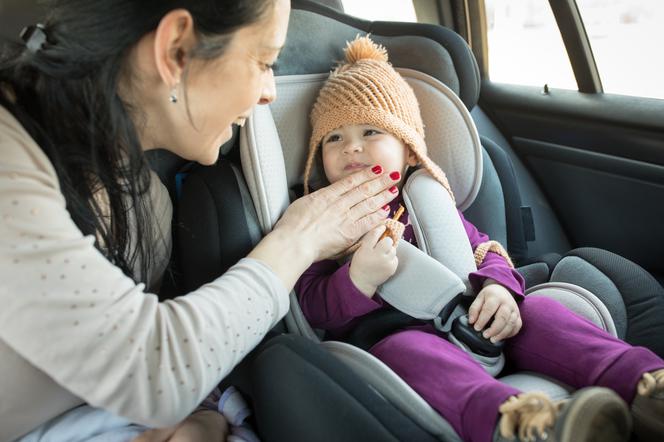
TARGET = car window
x,y
386,10
626,38
525,46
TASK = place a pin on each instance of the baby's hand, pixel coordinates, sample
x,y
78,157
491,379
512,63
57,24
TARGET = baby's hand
x,y
374,262
495,301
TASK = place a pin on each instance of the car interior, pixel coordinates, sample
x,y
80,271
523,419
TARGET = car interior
x,y
569,181
506,199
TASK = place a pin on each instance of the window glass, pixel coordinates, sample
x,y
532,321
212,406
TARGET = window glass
x,y
381,10
626,38
525,46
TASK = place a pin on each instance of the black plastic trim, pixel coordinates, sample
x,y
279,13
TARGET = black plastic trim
x,y
578,47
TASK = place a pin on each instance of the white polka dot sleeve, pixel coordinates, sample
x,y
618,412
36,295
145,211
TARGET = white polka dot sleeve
x,y
73,315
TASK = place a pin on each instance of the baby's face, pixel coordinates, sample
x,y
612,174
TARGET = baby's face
x,y
355,147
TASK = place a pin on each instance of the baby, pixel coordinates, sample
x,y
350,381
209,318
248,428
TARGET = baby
x,y
367,115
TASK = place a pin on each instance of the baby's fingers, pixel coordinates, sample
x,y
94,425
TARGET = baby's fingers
x,y
475,308
503,322
385,245
372,236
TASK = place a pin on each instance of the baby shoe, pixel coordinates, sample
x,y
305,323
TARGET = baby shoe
x,y
591,414
648,407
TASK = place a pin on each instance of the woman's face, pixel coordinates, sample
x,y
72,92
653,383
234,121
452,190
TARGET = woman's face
x,y
217,93
355,147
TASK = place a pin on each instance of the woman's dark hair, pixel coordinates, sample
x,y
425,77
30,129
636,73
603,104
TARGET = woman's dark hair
x,y
66,96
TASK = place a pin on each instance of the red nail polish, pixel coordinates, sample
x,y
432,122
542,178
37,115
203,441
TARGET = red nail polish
x,y
395,175
386,208
394,189
377,170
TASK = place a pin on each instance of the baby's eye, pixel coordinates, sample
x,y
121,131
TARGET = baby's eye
x,y
332,139
370,132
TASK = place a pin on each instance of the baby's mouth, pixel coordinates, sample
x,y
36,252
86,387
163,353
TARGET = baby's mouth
x,y
355,166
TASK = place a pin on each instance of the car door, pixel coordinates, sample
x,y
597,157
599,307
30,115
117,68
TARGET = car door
x,y
575,87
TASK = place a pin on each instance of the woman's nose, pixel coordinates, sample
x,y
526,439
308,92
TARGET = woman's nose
x,y
269,92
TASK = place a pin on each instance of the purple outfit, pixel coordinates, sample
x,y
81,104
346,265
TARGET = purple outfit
x,y
553,341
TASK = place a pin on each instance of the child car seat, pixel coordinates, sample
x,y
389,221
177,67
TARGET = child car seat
x,y
273,150
509,206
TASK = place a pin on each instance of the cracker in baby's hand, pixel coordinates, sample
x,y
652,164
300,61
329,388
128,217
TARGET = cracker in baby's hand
x,y
393,228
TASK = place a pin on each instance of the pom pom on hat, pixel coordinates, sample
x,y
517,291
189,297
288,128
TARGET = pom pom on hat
x,y
362,48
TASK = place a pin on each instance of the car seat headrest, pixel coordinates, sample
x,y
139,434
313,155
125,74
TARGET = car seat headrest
x,y
317,36
274,142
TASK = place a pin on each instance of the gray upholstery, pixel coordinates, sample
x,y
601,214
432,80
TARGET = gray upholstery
x,y
437,227
528,381
304,54
441,53
334,4
578,300
421,298
535,273
393,388
573,269
487,212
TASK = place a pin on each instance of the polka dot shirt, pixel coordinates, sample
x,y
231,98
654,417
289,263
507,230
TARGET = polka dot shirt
x,y
74,328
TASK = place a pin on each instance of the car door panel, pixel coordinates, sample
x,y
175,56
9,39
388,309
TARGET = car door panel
x,y
598,158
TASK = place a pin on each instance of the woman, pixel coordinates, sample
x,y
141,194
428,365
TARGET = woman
x,y
84,223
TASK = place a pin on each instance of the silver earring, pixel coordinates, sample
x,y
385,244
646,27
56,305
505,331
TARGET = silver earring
x,y
174,95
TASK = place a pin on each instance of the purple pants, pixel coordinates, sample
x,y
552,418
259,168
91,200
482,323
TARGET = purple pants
x,y
553,341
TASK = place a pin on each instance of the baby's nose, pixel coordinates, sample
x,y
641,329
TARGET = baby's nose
x,y
353,146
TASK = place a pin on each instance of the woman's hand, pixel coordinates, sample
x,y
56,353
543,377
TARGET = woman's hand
x,y
335,217
326,222
374,262
495,301
202,425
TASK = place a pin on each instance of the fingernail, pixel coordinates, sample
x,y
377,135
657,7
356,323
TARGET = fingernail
x,y
485,334
477,327
394,189
386,208
377,170
395,175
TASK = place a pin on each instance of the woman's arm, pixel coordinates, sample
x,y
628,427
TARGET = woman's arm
x,y
73,315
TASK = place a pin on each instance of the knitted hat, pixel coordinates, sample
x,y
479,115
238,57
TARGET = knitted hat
x,y
367,90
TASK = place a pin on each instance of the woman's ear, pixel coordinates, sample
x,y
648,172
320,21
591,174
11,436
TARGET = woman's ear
x,y
173,42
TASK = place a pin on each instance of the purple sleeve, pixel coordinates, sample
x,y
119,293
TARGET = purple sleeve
x,y
328,297
494,266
